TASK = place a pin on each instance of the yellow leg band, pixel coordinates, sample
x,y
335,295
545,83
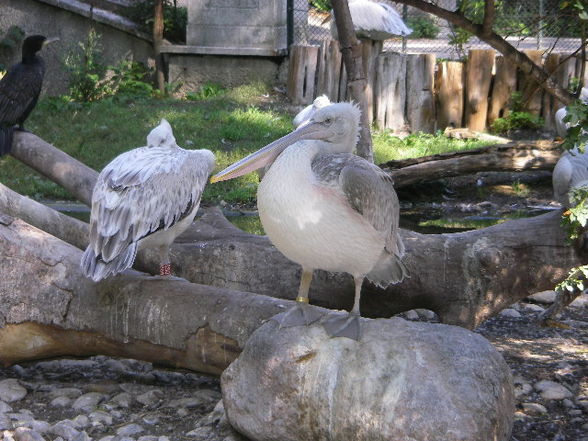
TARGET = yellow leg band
x,y
302,299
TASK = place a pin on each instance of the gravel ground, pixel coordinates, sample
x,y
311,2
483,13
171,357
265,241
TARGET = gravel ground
x,y
108,399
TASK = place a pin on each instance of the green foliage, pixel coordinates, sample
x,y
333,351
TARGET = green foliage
x,y
321,5
575,218
520,189
422,27
577,117
206,91
515,121
9,44
129,79
575,281
87,70
174,18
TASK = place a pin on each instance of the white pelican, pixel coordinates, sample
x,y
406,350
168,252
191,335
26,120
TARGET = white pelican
x,y
376,21
571,171
325,208
144,198
306,113
562,127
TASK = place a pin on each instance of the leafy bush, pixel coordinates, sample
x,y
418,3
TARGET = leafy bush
x,y
207,90
129,79
422,27
175,18
87,70
321,5
517,120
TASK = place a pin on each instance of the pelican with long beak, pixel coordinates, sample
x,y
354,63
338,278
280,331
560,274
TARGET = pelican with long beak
x,y
325,208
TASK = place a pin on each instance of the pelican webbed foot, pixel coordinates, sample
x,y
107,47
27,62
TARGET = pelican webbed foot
x,y
343,325
302,314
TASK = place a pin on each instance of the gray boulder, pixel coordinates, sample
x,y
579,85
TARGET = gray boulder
x,y
403,380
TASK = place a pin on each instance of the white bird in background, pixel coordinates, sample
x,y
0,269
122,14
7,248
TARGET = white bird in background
x,y
144,198
307,113
325,208
571,171
376,21
562,127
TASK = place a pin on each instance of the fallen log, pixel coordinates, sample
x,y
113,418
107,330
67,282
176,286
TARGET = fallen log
x,y
515,156
48,309
71,174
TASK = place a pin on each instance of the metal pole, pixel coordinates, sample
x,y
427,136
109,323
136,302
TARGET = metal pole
x,y
289,23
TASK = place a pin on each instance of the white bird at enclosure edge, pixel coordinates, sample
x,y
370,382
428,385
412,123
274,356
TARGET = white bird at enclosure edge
x,y
144,198
571,171
376,21
326,208
306,113
562,127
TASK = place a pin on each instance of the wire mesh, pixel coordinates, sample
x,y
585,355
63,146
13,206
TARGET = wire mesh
x,y
526,24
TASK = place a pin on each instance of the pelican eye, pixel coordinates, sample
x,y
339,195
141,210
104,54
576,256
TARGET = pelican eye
x,y
328,121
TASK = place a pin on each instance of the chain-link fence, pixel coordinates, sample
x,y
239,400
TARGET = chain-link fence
x,y
527,24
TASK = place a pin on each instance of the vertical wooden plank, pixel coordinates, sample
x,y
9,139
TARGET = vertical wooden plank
x,y
329,69
478,77
449,84
565,72
548,108
370,51
505,83
302,73
342,86
420,104
390,91
532,93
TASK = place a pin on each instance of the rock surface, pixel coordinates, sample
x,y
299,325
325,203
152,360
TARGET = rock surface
x,y
409,380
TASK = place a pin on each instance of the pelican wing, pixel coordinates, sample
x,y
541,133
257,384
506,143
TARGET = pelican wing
x,y
378,21
368,190
143,191
562,179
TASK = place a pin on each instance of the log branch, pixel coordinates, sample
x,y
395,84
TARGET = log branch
x,y
515,156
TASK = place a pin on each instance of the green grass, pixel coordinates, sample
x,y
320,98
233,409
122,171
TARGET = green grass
x,y
388,147
231,123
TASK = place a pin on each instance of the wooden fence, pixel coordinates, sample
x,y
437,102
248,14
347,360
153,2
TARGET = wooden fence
x,y
415,92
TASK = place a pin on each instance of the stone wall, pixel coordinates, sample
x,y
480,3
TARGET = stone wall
x,y
41,17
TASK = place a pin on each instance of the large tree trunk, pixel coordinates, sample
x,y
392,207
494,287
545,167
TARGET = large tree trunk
x,y
48,309
356,76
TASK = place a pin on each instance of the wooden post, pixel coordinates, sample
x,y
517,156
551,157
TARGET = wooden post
x,y
532,92
449,85
301,74
157,40
565,72
548,108
420,105
329,69
370,51
505,83
478,77
390,97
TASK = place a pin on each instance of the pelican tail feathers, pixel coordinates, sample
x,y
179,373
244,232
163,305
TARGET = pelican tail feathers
x,y
388,271
97,269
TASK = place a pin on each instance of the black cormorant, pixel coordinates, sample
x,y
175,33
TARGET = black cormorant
x,y
20,89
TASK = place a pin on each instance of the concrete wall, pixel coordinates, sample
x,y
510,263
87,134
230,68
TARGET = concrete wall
x,y
191,71
38,17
